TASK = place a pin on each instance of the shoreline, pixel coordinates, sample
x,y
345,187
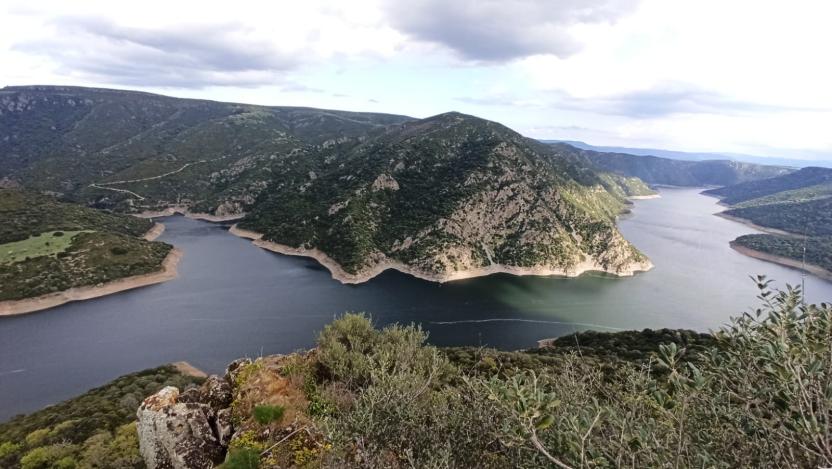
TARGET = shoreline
x,y
645,197
748,223
784,261
170,211
187,369
154,232
339,274
51,300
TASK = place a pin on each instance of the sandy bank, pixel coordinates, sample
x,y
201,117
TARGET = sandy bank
x,y
28,305
170,211
645,197
756,227
154,232
189,370
786,261
338,273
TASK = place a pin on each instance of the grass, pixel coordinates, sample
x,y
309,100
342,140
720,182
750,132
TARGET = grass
x,y
265,414
43,244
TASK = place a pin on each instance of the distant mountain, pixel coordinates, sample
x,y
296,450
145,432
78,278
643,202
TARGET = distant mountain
x,y
664,171
445,197
441,198
699,156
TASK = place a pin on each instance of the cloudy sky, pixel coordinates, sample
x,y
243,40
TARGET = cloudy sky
x,y
699,75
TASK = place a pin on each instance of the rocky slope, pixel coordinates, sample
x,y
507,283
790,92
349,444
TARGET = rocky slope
x,y
448,197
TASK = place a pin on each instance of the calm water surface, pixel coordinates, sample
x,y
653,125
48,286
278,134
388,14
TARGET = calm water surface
x,y
232,299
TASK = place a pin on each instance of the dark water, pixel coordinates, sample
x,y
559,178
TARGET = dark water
x,y
232,299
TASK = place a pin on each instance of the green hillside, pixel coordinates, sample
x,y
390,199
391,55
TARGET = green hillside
x,y
445,194
663,171
799,203
48,246
214,156
799,180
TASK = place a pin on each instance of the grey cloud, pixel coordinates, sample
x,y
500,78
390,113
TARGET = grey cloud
x,y
502,30
189,56
667,99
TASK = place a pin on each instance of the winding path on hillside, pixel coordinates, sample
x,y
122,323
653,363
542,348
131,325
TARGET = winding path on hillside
x,y
102,185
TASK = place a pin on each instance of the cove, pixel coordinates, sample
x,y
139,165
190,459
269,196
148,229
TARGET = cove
x,y
232,299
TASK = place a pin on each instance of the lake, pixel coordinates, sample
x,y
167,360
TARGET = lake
x,y
232,299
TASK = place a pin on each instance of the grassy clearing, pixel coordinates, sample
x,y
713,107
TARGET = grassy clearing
x,y
43,244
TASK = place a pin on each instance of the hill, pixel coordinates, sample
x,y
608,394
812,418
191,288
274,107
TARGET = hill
x,y
802,179
663,171
48,246
138,151
447,197
797,205
812,159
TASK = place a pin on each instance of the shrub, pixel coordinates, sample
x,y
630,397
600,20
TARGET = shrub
x,y
118,250
242,458
58,234
265,414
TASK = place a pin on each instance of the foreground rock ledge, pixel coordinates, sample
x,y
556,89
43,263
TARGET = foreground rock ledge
x,y
190,430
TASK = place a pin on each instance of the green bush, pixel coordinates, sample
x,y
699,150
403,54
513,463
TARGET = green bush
x,y
242,458
265,414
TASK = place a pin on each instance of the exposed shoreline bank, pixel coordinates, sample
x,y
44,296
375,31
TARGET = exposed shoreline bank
x,y
784,261
339,274
645,197
170,211
749,224
154,232
50,300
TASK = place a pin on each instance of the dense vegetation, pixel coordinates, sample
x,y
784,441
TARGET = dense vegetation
x,y
449,193
818,248
93,431
48,246
663,171
813,217
799,203
801,179
25,214
754,394
63,139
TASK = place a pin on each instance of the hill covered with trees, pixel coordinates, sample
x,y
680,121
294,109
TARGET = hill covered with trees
x,y
664,171
797,205
48,246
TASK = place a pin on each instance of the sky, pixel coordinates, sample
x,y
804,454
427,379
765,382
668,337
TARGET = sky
x,y
693,75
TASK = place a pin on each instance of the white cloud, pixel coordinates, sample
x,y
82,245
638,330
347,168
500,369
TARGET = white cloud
x,y
737,75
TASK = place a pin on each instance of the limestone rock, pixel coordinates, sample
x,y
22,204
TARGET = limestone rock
x,y
217,393
234,368
177,435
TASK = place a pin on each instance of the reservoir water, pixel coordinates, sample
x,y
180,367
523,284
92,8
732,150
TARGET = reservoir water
x,y
232,299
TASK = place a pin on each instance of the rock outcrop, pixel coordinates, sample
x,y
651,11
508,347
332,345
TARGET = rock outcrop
x,y
188,430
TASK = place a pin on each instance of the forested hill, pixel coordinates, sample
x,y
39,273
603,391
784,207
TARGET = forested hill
x,y
664,171
448,194
799,203
47,246
801,184
132,150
